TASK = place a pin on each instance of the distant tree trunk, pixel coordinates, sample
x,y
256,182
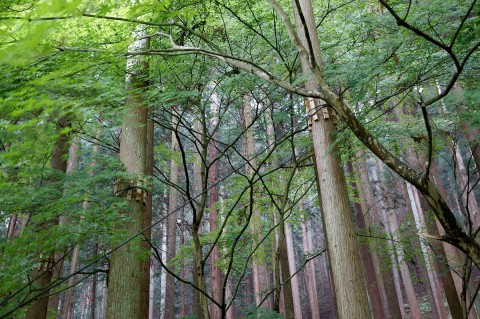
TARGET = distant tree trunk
x,y
289,311
310,277
93,294
348,279
260,274
44,273
163,274
373,282
455,255
182,265
198,207
441,261
215,271
392,226
126,295
11,226
428,255
172,223
471,133
394,300
417,159
297,307
147,266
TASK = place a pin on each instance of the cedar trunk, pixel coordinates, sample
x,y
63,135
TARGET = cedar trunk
x,y
343,251
125,287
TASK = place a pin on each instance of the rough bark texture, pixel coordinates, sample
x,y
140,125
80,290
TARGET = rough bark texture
x,y
38,309
348,280
125,288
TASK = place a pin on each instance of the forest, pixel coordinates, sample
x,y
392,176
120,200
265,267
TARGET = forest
x,y
227,159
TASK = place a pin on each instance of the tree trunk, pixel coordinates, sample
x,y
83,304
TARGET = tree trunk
x,y
292,268
310,277
260,274
147,266
373,282
348,280
43,274
126,295
392,226
215,271
172,224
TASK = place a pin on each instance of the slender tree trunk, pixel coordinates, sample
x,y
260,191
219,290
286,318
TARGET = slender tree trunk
x,y
11,226
373,282
147,266
368,203
200,178
392,226
215,271
182,263
285,275
310,278
471,133
44,273
172,225
455,256
163,274
292,267
260,274
441,262
126,293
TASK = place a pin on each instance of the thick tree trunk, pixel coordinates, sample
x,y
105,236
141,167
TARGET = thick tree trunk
x,y
126,295
348,280
44,273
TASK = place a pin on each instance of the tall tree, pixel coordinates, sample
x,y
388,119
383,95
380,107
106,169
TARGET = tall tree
x,y
125,287
43,274
348,280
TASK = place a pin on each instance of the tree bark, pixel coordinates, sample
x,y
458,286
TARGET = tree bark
x,y
126,295
394,299
44,273
215,271
348,279
260,274
373,282
172,224
310,277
